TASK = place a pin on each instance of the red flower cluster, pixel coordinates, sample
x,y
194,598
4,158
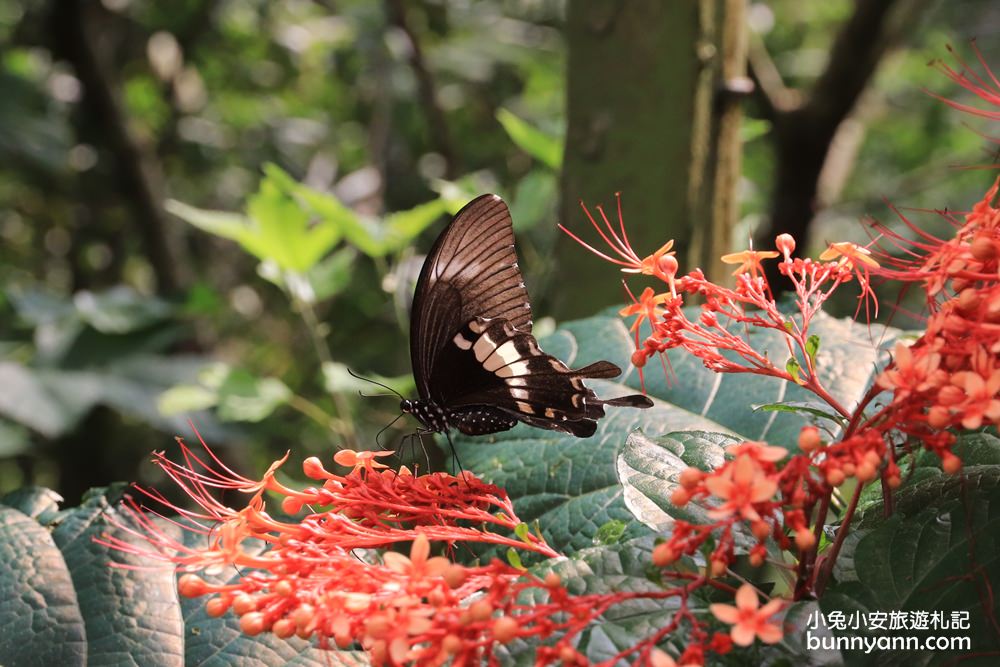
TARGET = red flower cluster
x,y
950,376
313,578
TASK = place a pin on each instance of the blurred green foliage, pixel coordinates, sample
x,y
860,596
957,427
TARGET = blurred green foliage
x,y
299,162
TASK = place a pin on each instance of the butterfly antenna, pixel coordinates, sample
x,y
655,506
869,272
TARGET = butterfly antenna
x,y
384,386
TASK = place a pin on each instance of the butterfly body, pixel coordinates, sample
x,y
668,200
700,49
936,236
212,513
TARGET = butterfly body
x,y
477,366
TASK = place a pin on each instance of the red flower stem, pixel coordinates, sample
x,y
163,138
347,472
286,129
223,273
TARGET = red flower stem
x,y
824,572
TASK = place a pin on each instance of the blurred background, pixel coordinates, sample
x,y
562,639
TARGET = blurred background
x,y
210,209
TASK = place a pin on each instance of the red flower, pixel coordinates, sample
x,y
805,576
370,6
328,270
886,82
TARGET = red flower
x,y
749,620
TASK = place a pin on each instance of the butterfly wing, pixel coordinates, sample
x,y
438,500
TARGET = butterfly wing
x,y
502,371
471,271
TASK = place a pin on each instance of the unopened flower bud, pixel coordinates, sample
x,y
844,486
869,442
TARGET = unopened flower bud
x,y
938,416
690,477
785,243
454,575
217,606
835,477
191,586
668,264
244,604
451,644
480,610
253,623
865,472
804,539
639,358
283,628
760,529
663,554
504,629
809,439
312,467
983,248
680,497
950,463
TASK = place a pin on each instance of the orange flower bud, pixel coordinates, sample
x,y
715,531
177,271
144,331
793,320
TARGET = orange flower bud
x,y
283,628
785,243
480,610
760,529
938,416
664,554
253,623
191,586
804,539
244,604
680,497
809,439
454,575
313,468
690,477
983,248
865,472
505,629
950,463
217,606
835,477
639,358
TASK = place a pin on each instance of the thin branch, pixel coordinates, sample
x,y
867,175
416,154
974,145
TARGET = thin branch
x,y
436,121
73,39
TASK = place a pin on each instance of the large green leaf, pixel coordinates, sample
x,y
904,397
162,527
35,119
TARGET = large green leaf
x,y
38,603
648,470
545,148
131,615
940,552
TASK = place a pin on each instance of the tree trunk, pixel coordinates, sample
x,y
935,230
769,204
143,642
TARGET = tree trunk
x,y
645,118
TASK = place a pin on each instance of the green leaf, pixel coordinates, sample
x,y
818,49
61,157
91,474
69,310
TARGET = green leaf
x,y
244,397
611,532
514,558
230,226
405,226
649,470
926,483
939,552
337,379
543,147
278,226
186,398
131,612
793,368
534,200
38,603
36,501
814,408
812,347
522,531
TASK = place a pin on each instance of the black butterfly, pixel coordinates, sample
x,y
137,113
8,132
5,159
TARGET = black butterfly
x,y
476,364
